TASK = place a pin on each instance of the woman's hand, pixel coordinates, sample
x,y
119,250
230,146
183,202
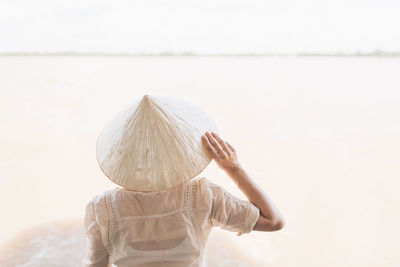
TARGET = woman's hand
x,y
225,156
222,152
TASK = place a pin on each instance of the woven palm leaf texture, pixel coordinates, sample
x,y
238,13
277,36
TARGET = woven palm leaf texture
x,y
154,144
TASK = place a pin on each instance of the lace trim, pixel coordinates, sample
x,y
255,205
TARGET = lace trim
x,y
190,191
110,240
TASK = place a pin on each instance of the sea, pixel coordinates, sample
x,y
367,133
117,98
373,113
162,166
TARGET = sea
x,y
319,134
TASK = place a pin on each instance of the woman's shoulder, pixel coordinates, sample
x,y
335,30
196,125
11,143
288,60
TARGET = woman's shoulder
x,y
205,187
98,207
205,184
201,182
98,201
98,197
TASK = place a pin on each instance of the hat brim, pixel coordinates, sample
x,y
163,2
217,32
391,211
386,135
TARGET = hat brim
x,y
154,144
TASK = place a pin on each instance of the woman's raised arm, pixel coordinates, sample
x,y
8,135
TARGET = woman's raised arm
x,y
225,156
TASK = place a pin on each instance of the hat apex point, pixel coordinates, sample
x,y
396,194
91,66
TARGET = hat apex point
x,y
146,98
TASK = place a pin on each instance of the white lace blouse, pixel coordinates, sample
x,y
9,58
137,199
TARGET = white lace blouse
x,y
166,228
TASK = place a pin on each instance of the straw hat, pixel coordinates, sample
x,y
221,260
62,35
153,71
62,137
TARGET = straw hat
x,y
154,144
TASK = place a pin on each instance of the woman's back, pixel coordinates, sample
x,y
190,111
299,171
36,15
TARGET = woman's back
x,y
166,228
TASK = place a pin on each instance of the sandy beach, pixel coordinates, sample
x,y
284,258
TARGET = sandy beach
x,y
321,135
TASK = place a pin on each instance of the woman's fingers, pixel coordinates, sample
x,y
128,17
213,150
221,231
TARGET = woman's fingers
x,y
230,146
216,146
222,143
209,147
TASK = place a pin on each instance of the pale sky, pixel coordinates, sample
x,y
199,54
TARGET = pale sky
x,y
201,26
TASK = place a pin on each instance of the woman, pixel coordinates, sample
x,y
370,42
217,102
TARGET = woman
x,y
161,215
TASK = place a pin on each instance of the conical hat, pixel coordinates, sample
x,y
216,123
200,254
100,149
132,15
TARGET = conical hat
x,y
154,144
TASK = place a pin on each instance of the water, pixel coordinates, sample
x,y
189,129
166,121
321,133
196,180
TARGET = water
x,y
320,134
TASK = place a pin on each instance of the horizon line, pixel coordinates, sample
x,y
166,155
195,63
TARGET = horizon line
x,y
377,52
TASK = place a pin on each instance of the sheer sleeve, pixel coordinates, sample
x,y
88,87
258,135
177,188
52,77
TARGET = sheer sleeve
x,y
96,254
231,213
